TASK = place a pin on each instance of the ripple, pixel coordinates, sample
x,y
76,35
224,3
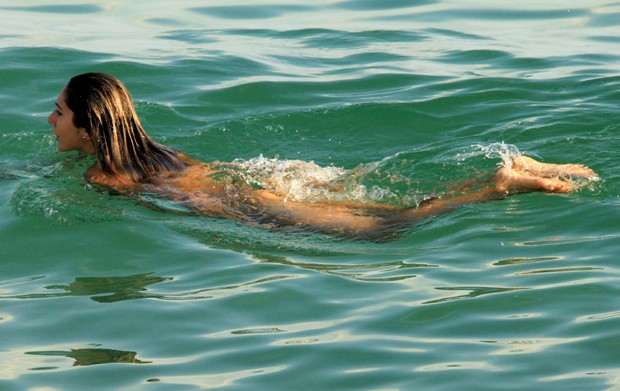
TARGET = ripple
x,y
221,379
473,293
248,12
263,330
377,272
22,361
116,289
371,5
59,9
525,260
341,83
529,346
92,356
561,241
596,317
289,328
457,365
560,270
5,318
610,374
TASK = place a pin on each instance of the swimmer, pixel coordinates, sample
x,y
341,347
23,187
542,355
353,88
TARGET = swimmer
x,y
95,115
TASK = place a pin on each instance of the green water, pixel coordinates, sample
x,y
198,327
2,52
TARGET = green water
x,y
104,292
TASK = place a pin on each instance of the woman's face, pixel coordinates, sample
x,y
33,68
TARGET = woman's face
x,y
68,136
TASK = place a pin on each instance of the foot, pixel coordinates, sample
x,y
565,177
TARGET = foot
x,y
529,166
527,174
511,181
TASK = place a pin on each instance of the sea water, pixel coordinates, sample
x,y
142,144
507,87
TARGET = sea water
x,y
394,101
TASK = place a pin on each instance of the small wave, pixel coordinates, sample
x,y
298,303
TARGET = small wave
x,y
56,191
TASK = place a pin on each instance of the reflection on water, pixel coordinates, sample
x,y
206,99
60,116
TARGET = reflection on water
x,y
524,260
372,272
85,357
103,289
561,270
534,345
119,288
473,292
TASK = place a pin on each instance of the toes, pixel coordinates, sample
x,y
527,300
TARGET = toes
x,y
560,187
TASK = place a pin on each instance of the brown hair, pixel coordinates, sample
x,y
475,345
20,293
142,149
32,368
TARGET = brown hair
x,y
102,105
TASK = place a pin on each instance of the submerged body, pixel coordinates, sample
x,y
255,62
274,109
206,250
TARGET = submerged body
x,y
198,188
95,115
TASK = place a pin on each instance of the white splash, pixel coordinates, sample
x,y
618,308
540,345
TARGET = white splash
x,y
501,150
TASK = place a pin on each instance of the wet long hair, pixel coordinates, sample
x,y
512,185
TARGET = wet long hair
x,y
102,105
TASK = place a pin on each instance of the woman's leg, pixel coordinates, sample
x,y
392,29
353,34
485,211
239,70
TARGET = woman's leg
x,y
523,175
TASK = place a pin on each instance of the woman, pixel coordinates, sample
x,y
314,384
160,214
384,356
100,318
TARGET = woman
x,y
95,115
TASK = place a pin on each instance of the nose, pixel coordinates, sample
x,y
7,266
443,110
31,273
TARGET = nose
x,y
51,119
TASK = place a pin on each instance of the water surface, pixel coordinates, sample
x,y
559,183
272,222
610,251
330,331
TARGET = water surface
x,y
105,292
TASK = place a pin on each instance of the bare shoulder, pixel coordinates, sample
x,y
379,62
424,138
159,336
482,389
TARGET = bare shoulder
x,y
97,177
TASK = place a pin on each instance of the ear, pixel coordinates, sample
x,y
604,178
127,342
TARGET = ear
x,y
88,146
84,135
